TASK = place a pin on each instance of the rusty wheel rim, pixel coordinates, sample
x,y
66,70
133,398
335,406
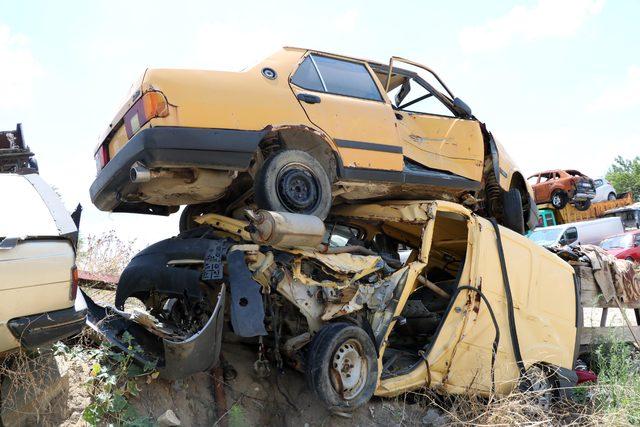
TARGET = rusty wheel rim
x,y
349,369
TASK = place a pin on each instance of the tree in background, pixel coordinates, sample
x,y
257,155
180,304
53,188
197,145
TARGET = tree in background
x,y
624,175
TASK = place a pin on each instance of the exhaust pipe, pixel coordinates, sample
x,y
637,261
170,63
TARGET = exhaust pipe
x,y
139,173
285,229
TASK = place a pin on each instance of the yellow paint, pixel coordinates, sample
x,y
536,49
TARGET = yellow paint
x,y
247,100
460,357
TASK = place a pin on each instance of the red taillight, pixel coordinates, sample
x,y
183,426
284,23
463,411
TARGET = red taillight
x,y
102,157
152,104
73,291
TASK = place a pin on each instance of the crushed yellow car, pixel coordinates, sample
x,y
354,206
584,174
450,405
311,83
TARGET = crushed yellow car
x,y
300,132
379,299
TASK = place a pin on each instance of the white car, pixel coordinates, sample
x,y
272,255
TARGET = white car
x,y
39,301
604,190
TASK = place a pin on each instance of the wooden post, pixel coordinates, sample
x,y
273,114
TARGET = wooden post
x,y
603,319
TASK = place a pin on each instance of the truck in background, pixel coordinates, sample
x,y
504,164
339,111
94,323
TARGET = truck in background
x,y
550,216
630,215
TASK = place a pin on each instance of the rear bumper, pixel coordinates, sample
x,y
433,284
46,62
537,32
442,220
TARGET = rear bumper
x,y
173,359
584,195
42,330
171,147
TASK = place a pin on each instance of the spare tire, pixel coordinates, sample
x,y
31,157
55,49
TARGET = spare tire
x,y
513,217
293,181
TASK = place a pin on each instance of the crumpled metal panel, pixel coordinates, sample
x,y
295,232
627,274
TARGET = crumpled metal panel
x,y
419,211
346,263
247,309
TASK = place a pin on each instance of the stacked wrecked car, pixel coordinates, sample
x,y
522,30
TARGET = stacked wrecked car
x,y
335,219
379,299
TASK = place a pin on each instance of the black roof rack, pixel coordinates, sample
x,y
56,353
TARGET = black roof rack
x,y
15,155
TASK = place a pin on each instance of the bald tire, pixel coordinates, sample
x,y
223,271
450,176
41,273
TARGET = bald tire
x,y
320,358
512,211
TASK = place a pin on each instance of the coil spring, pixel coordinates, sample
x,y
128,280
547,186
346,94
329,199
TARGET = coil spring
x,y
493,193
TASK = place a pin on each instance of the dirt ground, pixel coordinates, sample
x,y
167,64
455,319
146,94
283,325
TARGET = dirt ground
x,y
280,400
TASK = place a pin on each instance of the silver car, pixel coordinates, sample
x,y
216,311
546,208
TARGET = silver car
x,y
604,190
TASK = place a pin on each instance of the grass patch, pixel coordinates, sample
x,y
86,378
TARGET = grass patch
x,y
110,382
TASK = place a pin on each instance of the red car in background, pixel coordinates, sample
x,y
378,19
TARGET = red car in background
x,y
623,246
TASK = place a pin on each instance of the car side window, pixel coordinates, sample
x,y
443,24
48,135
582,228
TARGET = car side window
x,y
636,240
307,77
324,74
413,97
598,182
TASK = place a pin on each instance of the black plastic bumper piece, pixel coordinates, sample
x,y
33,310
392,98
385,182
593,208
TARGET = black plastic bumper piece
x,y
173,147
41,330
173,359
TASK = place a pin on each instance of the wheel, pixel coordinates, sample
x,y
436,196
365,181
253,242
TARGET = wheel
x,y
512,211
190,212
293,181
342,366
630,259
611,196
584,205
559,199
538,386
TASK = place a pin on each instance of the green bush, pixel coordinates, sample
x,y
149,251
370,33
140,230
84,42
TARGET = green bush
x,y
111,382
618,390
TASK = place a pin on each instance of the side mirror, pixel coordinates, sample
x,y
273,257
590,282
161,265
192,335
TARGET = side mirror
x,y
462,107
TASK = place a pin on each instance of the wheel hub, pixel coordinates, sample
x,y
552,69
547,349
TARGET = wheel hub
x,y
349,369
298,189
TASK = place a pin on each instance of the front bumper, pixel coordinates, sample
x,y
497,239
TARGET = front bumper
x,y
171,147
42,330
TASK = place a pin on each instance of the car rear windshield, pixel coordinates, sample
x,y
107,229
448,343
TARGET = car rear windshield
x,y
23,211
617,242
546,237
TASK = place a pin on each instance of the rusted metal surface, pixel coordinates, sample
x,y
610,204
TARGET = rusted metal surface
x,y
219,396
109,281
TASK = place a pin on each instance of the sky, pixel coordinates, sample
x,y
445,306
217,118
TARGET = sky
x,y
556,81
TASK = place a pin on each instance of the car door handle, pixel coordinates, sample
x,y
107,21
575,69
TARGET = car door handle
x,y
308,98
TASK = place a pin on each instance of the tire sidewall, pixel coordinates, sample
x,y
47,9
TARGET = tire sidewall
x,y
513,211
563,199
324,346
266,182
583,206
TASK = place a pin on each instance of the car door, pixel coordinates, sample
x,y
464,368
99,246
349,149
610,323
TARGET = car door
x,y
343,99
431,133
635,252
545,185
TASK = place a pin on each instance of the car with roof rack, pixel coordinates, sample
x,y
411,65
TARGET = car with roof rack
x,y
39,298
